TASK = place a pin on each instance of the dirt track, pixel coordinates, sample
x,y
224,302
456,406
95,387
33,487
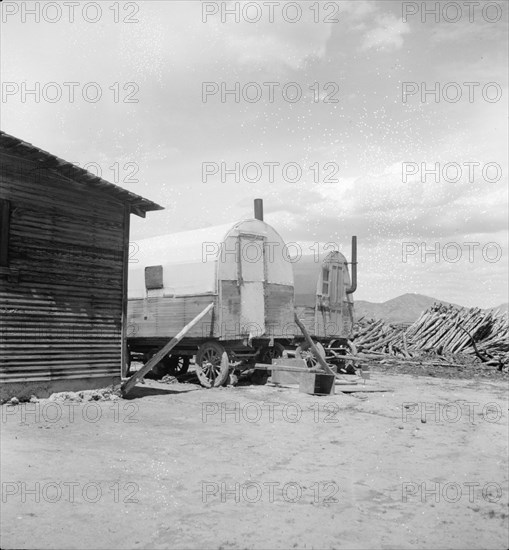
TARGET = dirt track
x,y
358,463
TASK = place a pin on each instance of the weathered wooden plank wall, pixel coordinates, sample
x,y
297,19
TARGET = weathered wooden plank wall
x,y
279,310
165,317
63,318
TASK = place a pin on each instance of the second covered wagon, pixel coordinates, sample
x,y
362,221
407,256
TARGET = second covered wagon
x,y
324,303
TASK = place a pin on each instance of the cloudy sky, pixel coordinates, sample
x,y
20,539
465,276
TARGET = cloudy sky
x,y
356,138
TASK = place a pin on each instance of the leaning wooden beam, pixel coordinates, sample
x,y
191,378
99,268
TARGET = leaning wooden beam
x,y
313,348
129,384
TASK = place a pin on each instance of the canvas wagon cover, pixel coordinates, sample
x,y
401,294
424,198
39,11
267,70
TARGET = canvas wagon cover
x,y
307,272
190,259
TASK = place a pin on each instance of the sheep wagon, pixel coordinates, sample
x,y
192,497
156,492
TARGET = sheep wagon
x,y
324,303
240,268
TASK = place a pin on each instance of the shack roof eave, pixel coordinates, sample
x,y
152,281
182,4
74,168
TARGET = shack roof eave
x,y
139,205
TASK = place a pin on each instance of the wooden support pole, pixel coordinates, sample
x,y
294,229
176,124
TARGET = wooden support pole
x,y
285,368
313,348
129,384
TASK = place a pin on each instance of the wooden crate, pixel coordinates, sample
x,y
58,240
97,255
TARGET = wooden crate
x,y
317,383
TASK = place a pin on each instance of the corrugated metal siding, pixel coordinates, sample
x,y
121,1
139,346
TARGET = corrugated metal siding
x,y
63,318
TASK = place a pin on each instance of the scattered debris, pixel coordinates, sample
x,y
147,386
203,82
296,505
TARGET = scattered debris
x,y
169,379
104,394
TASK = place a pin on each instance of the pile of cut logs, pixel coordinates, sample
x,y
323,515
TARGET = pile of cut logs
x,y
442,330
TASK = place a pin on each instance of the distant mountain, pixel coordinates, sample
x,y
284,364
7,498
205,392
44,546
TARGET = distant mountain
x,y
503,308
403,309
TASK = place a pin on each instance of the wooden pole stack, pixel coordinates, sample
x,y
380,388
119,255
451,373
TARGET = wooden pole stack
x,y
441,329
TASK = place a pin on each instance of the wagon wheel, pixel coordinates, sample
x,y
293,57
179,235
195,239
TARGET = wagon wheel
x,y
128,361
271,352
178,365
260,377
305,353
211,371
348,365
160,369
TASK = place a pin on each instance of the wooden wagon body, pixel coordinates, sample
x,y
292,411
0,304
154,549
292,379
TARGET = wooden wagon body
x,y
239,268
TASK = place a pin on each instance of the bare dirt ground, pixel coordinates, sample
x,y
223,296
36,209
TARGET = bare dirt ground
x,y
261,467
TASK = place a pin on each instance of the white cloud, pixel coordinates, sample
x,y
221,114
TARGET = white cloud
x,y
387,35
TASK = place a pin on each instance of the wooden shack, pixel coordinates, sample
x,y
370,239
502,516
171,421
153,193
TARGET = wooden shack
x,y
323,295
239,267
64,249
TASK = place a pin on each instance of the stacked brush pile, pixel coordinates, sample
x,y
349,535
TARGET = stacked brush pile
x,y
444,331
